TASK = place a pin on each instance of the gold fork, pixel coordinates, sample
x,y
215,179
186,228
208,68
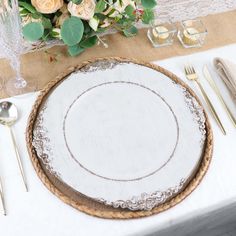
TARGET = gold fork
x,y
192,75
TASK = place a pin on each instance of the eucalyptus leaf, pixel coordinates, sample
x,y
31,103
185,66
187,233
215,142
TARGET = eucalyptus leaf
x,y
148,4
101,30
46,36
46,23
148,15
36,15
100,6
33,31
101,17
77,1
72,31
130,32
129,10
89,42
87,28
28,7
75,50
24,12
125,23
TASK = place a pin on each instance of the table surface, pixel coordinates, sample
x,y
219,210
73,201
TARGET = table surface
x,y
39,212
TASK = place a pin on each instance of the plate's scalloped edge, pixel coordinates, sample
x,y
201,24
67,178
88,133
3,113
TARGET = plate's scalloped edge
x,y
100,65
145,201
41,143
198,113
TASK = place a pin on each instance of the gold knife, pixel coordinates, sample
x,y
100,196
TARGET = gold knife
x,y
214,86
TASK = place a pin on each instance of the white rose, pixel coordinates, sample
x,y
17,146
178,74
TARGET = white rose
x,y
85,10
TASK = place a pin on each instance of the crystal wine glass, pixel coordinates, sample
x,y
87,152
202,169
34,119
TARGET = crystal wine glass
x,y
11,43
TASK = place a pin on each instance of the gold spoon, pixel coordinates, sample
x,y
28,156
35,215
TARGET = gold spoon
x,y
8,117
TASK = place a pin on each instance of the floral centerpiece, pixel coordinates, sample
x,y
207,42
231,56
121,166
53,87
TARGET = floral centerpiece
x,y
78,23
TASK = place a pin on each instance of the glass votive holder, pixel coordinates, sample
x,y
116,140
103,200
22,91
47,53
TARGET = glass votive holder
x,y
161,33
192,33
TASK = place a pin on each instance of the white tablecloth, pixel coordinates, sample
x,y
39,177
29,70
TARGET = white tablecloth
x,y
39,212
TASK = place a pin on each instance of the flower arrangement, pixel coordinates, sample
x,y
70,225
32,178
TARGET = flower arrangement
x,y
78,23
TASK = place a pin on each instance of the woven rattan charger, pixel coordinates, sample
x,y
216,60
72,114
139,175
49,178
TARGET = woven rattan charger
x,y
81,202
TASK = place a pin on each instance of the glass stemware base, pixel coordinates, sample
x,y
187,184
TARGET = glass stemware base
x,y
1,83
13,88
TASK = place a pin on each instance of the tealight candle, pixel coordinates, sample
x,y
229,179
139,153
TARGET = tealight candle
x,y
160,33
191,36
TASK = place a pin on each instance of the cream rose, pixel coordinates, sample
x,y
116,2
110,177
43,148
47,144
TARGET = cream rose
x,y
47,6
84,10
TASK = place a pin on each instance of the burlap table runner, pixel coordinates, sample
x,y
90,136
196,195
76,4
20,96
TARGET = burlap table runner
x,y
42,66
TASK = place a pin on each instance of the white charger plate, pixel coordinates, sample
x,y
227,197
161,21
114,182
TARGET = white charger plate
x,y
122,134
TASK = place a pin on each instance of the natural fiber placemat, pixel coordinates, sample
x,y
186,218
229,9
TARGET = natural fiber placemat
x,y
81,202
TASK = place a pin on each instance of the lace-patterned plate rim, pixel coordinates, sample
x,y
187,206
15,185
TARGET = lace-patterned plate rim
x,y
95,208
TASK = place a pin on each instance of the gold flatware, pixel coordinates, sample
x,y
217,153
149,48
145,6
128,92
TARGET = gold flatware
x,y
192,75
8,117
2,199
214,86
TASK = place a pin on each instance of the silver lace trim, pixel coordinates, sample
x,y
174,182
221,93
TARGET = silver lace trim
x,y
198,113
100,65
41,143
146,201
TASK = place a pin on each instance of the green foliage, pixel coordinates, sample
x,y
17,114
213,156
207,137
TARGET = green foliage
x,y
33,31
148,4
46,23
72,31
28,7
147,16
101,17
36,15
77,1
75,50
129,10
79,34
130,32
87,29
100,6
89,42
